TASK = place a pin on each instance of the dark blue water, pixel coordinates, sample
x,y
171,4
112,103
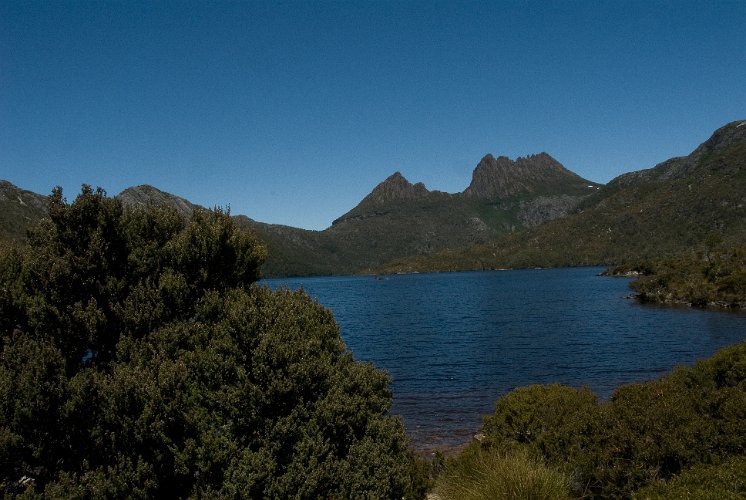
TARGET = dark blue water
x,y
455,342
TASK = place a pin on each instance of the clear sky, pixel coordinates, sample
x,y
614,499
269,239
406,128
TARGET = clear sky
x,y
291,112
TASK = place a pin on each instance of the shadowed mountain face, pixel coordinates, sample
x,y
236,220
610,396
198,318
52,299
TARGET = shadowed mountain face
x,y
531,211
395,188
399,218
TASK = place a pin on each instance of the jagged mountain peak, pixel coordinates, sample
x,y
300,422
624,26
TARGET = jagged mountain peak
x,y
395,187
502,177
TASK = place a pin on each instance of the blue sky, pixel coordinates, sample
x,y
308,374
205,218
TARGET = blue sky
x,y
291,112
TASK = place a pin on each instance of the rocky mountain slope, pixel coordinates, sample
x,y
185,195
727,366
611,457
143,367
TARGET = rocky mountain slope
x,y
663,211
501,178
399,218
148,195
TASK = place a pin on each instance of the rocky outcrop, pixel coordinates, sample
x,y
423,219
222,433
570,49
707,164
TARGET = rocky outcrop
x,y
13,195
543,208
395,188
501,177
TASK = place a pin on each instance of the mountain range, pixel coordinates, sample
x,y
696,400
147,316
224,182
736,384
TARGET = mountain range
x,y
660,212
530,211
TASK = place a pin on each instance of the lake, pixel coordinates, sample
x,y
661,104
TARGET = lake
x,y
454,342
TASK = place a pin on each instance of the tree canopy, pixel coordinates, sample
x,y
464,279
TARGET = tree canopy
x,y
140,359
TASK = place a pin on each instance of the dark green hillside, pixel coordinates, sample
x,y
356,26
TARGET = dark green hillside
x,y
655,213
515,213
295,252
19,209
399,219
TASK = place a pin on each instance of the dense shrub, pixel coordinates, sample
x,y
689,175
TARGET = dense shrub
x,y
715,277
646,433
702,482
138,360
538,415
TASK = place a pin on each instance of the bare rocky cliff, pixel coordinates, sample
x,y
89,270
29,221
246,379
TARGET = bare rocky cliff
x,y
501,177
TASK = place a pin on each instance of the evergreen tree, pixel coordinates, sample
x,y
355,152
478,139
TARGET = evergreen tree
x,y
140,359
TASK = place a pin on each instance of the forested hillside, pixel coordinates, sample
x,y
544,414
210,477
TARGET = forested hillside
x,y
714,277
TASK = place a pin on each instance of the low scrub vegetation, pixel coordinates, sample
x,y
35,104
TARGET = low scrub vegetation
x,y
658,438
715,277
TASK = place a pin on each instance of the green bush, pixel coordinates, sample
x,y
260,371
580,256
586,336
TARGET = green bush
x,y
537,415
139,360
646,433
723,481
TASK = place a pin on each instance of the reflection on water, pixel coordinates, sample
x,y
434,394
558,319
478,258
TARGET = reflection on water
x,y
455,342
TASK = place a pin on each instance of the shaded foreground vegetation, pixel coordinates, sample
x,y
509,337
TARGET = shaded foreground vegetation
x,y
682,436
714,277
139,360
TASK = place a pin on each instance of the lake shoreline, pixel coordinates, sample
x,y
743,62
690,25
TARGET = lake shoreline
x,y
454,343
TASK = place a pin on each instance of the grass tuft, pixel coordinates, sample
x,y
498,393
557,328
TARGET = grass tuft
x,y
479,473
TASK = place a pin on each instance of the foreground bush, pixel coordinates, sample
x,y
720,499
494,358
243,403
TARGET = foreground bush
x,y
646,433
726,480
138,360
